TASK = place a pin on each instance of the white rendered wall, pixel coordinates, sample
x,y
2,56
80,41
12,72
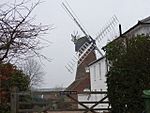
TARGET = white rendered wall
x,y
98,75
139,30
98,71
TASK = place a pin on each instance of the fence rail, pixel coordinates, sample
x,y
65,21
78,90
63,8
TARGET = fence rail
x,y
55,101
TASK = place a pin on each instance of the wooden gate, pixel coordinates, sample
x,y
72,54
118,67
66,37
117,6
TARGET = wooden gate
x,y
37,101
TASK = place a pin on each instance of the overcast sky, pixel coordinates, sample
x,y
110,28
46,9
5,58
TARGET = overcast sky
x,y
93,14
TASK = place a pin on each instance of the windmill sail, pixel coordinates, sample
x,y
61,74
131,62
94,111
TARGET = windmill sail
x,y
87,50
113,22
75,20
89,45
93,45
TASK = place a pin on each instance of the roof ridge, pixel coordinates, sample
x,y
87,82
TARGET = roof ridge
x,y
145,19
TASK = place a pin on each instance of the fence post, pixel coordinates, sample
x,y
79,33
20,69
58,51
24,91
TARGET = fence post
x,y
14,100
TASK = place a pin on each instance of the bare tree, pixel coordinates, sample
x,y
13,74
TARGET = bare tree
x,y
34,71
19,37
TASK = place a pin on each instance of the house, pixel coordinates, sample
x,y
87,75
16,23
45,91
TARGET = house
x,y
99,67
98,70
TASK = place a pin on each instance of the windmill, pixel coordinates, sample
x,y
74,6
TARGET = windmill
x,y
88,44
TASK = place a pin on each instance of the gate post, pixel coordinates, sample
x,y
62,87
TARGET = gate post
x,y
14,100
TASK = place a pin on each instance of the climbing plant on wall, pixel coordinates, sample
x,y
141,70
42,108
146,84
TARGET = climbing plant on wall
x,y
129,75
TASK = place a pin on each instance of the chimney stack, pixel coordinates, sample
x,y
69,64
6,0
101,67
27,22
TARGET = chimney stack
x,y
120,30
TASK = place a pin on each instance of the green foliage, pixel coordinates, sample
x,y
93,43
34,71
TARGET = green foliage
x,y
129,73
10,77
4,108
20,80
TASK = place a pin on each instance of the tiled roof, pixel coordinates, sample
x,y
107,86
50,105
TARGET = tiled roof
x,y
80,84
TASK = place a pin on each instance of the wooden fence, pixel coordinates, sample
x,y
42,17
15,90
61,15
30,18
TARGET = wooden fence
x,y
37,101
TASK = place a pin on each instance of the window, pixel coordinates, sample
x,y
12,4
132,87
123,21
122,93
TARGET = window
x,y
100,74
94,73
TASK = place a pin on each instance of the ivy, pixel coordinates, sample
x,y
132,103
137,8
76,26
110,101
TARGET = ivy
x,y
129,74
